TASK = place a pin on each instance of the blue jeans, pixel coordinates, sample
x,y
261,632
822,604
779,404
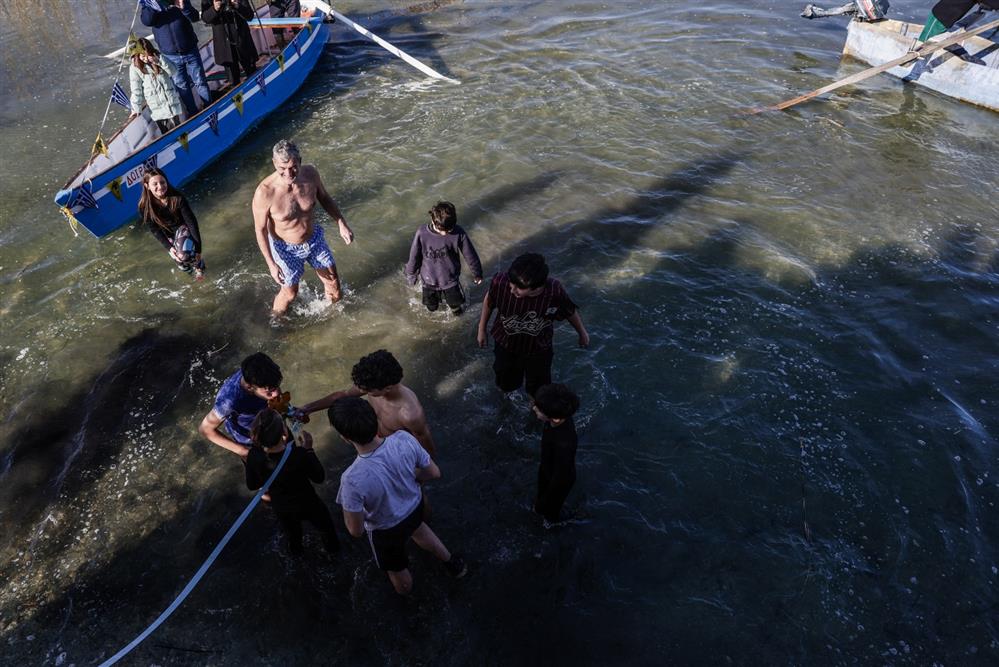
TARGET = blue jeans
x,y
190,74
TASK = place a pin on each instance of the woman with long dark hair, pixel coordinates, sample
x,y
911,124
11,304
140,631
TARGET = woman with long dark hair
x,y
165,211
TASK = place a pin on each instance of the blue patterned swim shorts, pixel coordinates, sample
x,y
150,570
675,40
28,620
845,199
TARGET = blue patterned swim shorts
x,y
291,257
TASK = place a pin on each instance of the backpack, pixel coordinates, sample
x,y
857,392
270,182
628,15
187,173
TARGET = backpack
x,y
183,244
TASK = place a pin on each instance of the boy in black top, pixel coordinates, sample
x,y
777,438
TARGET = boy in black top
x,y
292,496
554,404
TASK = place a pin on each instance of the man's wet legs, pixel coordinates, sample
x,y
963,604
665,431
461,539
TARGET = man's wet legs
x,y
283,299
331,283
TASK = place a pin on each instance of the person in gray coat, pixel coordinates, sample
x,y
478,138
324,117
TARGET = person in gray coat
x,y
436,256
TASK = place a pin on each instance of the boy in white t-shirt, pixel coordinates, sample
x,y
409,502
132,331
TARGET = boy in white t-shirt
x,y
380,492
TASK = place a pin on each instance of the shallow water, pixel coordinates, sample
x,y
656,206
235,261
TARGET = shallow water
x,y
788,406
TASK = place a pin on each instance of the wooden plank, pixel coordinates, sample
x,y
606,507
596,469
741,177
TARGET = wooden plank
x,y
925,50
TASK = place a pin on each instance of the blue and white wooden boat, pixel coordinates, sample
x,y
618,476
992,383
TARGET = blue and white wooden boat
x,y
104,194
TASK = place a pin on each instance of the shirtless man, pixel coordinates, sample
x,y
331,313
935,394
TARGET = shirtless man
x,y
283,207
379,376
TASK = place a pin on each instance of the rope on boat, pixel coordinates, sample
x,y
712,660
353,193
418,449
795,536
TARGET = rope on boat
x,y
117,78
204,566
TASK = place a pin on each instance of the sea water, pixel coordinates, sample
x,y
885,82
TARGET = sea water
x,y
787,449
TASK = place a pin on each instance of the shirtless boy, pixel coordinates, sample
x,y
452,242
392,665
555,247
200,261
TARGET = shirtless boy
x,y
379,376
283,207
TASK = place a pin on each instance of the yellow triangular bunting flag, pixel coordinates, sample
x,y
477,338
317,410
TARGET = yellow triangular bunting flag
x,y
280,59
237,99
132,46
115,188
183,140
308,26
73,222
99,146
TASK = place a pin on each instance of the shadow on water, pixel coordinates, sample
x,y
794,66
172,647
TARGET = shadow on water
x,y
265,611
59,449
97,593
728,566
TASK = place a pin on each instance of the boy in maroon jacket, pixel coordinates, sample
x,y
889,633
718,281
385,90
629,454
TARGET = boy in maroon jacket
x,y
527,302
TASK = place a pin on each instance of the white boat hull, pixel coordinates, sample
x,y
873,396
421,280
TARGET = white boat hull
x,y
967,72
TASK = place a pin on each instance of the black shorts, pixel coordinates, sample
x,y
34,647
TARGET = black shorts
x,y
514,368
453,296
389,545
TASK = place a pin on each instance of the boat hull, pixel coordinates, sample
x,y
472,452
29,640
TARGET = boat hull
x,y
967,72
110,198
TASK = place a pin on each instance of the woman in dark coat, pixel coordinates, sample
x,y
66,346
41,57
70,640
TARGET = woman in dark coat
x,y
234,48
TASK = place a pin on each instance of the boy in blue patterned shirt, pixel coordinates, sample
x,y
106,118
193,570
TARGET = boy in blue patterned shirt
x,y
244,394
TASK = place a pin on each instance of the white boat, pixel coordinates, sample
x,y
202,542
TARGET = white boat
x,y
968,71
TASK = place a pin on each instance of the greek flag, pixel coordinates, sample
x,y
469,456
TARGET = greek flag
x,y
118,96
213,122
151,162
151,4
84,198
262,82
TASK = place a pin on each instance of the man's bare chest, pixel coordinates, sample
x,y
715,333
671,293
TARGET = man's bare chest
x,y
293,204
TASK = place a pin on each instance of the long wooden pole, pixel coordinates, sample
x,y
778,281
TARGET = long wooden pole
x,y
925,50
394,50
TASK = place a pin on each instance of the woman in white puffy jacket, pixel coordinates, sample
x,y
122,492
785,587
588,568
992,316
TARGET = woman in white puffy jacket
x,y
151,80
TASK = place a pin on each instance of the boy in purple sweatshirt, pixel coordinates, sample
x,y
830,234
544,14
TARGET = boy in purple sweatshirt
x,y
435,256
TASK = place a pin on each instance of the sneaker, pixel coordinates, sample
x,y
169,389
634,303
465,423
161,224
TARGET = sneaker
x,y
456,567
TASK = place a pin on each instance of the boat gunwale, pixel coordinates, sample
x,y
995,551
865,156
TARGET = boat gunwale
x,y
895,32
68,186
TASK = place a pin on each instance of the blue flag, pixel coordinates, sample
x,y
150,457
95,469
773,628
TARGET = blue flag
x,y
262,82
118,96
84,198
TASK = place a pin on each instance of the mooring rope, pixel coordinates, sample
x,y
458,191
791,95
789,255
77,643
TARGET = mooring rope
x,y
204,566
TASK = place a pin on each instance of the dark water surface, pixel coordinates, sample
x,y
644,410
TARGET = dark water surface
x,y
788,424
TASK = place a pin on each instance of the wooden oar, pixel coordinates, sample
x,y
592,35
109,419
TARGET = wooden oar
x,y
925,50
394,50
